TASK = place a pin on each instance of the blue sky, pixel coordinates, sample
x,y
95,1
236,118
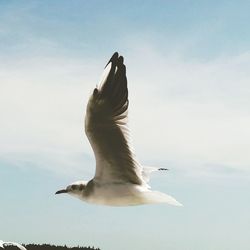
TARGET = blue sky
x,y
188,72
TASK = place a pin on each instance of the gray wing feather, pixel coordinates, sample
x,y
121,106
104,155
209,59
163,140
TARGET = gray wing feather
x,y
106,128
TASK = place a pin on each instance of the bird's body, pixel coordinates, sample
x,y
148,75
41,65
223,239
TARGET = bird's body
x,y
112,194
120,180
119,194
116,194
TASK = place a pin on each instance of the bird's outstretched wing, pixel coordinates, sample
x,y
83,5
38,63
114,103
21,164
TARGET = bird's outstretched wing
x,y
106,127
6,244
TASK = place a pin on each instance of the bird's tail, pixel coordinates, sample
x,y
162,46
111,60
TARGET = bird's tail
x,y
154,197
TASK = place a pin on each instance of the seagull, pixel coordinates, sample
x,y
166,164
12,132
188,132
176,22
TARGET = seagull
x,y
11,244
120,180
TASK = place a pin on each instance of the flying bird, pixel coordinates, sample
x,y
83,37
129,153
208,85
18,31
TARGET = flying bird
x,y
120,180
11,244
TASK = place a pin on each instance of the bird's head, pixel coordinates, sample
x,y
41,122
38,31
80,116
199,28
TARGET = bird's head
x,y
76,188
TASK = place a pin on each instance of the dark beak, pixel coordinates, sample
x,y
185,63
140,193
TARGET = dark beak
x,y
61,191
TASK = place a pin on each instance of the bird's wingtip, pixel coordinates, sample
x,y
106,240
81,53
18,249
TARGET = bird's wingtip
x,y
178,204
113,58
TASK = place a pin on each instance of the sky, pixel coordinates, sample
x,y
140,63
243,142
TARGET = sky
x,y
188,77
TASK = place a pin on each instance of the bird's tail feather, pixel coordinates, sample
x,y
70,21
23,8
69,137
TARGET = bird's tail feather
x,y
158,197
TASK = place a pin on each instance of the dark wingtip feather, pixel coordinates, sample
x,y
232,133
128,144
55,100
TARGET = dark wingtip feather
x,y
113,58
120,60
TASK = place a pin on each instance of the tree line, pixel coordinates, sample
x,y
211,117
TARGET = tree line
x,y
50,247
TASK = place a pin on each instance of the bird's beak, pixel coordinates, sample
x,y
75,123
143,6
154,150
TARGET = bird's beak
x,y
61,191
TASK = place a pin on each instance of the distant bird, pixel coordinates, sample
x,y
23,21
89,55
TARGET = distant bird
x,y
120,180
11,244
